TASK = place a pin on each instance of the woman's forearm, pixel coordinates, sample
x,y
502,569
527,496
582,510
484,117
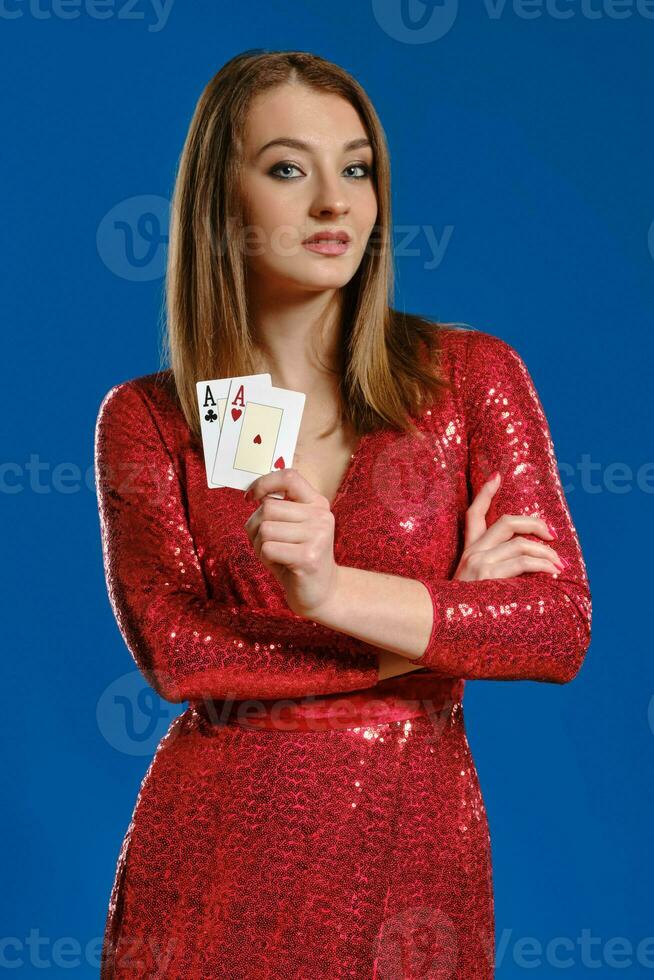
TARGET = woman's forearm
x,y
392,665
386,611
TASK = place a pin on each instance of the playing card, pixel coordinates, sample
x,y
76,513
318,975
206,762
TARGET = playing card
x,y
212,397
259,432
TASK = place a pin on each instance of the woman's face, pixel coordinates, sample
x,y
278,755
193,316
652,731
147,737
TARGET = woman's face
x,y
290,193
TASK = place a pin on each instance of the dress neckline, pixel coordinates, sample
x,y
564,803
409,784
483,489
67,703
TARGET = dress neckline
x,y
347,476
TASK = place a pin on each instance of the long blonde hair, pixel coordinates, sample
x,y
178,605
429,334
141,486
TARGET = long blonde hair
x,y
386,375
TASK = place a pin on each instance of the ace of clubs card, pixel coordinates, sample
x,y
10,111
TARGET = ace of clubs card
x,y
212,398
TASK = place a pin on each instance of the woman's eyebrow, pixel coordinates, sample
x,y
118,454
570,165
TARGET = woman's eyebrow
x,y
302,145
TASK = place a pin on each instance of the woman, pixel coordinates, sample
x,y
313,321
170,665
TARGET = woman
x,y
315,812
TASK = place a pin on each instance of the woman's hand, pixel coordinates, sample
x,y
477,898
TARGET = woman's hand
x,y
500,551
294,538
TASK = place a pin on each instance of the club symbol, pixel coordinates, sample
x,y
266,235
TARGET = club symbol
x,y
211,416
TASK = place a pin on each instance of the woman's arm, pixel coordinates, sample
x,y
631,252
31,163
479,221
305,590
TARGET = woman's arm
x,y
393,665
187,645
532,626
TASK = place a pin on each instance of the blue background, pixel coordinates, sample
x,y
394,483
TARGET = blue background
x,y
525,144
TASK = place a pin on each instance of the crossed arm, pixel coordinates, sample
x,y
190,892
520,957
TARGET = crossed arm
x,y
532,626
189,646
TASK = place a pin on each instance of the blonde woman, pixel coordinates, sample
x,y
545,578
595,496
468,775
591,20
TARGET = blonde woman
x,y
315,811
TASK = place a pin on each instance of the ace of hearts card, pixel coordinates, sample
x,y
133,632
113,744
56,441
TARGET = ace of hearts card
x,y
259,432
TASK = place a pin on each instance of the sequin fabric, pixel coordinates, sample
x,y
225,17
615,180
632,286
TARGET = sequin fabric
x,y
301,819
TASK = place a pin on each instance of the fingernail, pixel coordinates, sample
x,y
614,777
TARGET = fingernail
x,y
495,477
566,563
551,530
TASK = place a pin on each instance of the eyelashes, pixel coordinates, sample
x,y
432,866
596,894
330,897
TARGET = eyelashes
x,y
367,171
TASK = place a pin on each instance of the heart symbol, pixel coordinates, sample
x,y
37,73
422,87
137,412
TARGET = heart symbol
x,y
257,439
279,463
236,413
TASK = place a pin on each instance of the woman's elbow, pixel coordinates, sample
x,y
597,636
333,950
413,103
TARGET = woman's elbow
x,y
572,651
165,683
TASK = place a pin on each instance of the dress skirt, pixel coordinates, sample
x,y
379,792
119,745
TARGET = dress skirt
x,y
332,836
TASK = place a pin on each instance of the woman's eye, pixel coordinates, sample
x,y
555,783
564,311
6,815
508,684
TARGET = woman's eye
x,y
282,166
360,166
291,166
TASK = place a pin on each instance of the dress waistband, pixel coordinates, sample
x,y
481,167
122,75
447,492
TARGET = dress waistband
x,y
393,699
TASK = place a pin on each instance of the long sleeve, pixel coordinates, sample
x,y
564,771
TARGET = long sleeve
x,y
533,626
187,645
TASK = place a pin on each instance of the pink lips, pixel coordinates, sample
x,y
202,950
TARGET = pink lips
x,y
327,247
328,241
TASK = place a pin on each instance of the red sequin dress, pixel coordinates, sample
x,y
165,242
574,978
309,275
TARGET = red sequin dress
x,y
300,819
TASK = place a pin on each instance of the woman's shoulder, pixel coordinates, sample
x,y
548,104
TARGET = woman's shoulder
x,y
461,350
147,403
463,342
470,356
154,392
472,362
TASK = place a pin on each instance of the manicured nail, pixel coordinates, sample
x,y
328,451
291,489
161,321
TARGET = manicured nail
x,y
551,530
495,477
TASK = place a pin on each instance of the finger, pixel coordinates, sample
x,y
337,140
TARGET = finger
x,y
280,553
475,519
520,546
508,525
522,564
289,481
281,531
273,509
271,531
